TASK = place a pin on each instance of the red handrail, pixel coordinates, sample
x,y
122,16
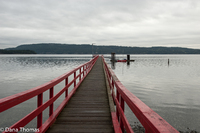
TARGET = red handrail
x,y
10,101
151,121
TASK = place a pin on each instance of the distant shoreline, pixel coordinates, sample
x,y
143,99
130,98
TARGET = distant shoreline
x,y
56,48
2,51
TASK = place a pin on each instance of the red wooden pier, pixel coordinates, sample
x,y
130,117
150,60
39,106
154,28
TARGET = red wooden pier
x,y
95,104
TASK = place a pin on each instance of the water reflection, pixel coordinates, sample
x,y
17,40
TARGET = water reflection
x,y
169,84
43,61
113,63
23,72
36,69
171,89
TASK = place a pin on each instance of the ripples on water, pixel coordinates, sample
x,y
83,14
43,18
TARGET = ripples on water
x,y
173,91
23,72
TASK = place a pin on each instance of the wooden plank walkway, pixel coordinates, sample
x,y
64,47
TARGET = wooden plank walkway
x,y
88,111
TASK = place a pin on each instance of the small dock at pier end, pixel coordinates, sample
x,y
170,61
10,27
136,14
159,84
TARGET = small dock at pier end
x,y
95,104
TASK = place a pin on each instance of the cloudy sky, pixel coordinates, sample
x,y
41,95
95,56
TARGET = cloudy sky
x,y
142,23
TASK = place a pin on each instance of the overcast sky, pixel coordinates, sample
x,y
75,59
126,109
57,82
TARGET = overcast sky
x,y
143,23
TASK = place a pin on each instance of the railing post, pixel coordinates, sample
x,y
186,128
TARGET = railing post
x,y
122,106
109,75
80,74
86,67
66,83
117,112
39,103
83,70
51,106
74,78
112,83
89,66
112,87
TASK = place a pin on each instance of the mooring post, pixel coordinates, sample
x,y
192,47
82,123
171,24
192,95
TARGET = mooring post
x,y
128,57
112,57
168,62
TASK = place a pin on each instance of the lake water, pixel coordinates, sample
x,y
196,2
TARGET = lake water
x,y
171,90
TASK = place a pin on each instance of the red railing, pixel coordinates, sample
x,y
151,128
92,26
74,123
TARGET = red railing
x,y
151,121
10,101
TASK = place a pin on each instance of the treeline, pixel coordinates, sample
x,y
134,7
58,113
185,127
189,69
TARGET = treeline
x,y
2,51
53,48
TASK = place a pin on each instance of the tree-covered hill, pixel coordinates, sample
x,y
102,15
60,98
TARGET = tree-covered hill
x,y
53,48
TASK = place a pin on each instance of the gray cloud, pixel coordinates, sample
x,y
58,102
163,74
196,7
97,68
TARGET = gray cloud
x,y
143,23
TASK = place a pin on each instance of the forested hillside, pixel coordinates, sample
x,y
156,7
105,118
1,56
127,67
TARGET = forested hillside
x,y
52,48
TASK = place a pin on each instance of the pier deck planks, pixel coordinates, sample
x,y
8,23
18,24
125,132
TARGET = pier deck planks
x,y
88,110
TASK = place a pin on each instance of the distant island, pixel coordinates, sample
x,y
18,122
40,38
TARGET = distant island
x,y
56,48
2,51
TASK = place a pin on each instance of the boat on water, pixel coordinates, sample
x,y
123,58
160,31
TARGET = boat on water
x,y
124,60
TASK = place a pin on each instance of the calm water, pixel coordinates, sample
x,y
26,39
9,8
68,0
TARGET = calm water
x,y
172,90
22,72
